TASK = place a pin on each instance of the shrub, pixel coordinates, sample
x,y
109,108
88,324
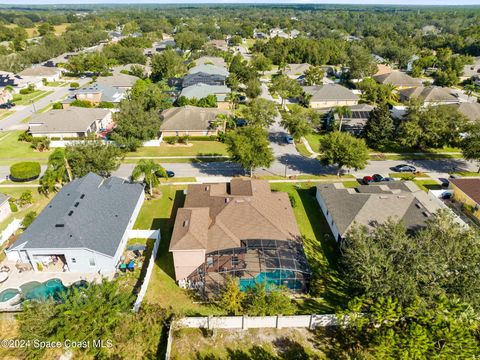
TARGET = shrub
x,y
407,177
26,91
13,205
25,171
293,201
25,137
183,139
106,105
26,198
28,219
74,85
57,106
40,143
81,103
171,140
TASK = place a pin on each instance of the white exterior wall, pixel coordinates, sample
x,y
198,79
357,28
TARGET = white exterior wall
x,y
328,216
332,103
4,211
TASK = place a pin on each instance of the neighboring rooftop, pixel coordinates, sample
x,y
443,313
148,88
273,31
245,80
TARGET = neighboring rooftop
x,y
470,110
118,80
329,92
109,93
471,187
210,60
73,119
200,91
398,79
429,94
209,69
374,204
89,213
470,70
189,118
3,198
39,71
296,69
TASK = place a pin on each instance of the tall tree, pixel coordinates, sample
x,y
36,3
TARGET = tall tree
x,y
299,121
260,112
150,170
341,112
344,150
261,63
314,75
360,63
470,144
167,64
232,297
379,128
286,87
249,147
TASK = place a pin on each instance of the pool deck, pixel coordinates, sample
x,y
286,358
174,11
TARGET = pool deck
x,y
16,278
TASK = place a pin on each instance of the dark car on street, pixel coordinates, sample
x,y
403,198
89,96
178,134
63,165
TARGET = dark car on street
x,y
404,168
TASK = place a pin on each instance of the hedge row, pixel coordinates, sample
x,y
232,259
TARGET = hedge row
x,y
25,171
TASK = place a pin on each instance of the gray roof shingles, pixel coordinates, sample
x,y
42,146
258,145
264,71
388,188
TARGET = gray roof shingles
x,y
98,222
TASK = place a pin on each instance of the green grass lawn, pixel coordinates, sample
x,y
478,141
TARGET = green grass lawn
x,y
314,141
197,148
56,83
5,113
426,185
12,150
302,149
27,99
320,249
163,290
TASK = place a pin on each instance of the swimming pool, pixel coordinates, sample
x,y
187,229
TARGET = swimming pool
x,y
275,278
8,294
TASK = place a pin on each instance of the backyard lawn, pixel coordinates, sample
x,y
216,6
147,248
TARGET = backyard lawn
x,y
196,148
12,150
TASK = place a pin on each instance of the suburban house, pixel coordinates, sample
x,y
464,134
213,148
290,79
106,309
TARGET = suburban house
x,y
191,120
398,79
5,210
355,122
211,60
84,227
467,192
330,95
96,93
471,70
239,229
74,122
470,110
17,82
37,73
430,95
205,74
201,90
383,69
370,205
218,44
296,71
118,80
5,96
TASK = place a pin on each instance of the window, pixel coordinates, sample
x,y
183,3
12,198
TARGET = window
x,y
91,261
74,261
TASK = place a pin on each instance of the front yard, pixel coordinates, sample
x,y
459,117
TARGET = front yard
x,y
12,150
27,99
195,148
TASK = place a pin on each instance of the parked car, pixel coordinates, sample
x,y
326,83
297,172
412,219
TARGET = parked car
x,y
404,168
289,139
377,178
170,173
367,179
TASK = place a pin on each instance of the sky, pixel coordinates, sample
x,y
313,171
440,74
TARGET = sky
x,y
357,2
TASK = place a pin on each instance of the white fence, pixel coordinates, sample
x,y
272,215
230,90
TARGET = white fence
x,y
10,230
143,234
154,142
148,274
255,322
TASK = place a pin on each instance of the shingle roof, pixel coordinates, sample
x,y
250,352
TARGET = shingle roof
x,y
73,119
374,204
471,187
189,118
39,70
89,213
296,69
470,110
209,69
118,80
241,210
109,93
216,61
329,92
429,94
397,78
199,91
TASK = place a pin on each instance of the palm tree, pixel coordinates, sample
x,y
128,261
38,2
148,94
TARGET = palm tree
x,y
233,97
470,89
342,111
150,171
59,163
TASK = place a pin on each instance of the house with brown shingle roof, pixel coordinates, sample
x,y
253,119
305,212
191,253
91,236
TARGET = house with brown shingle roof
x,y
191,120
398,79
430,95
239,229
467,192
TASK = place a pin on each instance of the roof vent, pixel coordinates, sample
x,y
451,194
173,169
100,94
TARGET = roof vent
x,y
206,188
227,200
418,205
59,225
185,223
70,213
383,197
82,196
426,214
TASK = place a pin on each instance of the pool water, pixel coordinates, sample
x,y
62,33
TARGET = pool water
x,y
275,278
8,294
42,291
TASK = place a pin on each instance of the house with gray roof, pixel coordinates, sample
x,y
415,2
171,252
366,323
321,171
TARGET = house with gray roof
x,y
201,90
398,79
118,80
330,95
470,110
74,122
430,95
370,205
208,74
96,93
5,210
85,226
